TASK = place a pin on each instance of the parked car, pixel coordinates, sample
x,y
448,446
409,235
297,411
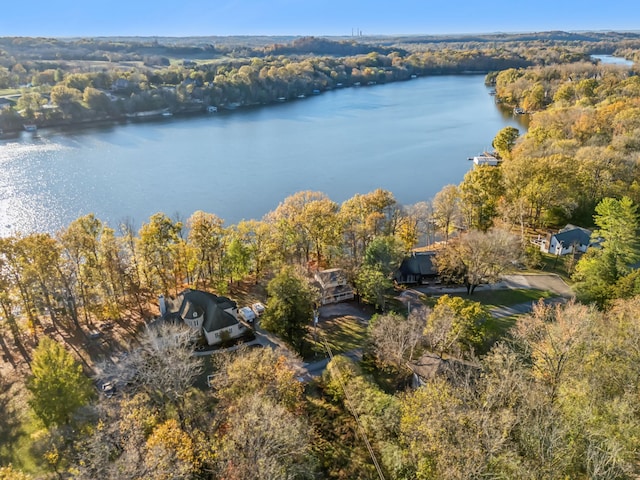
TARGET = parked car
x,y
247,314
258,308
108,389
94,334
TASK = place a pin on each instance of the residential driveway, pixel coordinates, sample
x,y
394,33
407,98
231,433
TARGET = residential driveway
x,y
546,282
315,369
345,309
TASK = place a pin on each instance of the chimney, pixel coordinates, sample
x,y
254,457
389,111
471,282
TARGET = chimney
x,y
163,305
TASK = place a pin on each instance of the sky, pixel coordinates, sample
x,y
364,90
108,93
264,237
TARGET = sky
x,y
73,18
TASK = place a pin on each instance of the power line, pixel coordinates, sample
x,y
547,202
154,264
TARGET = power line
x,y
354,413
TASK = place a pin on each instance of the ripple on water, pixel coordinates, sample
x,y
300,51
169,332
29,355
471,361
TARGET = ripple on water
x,y
27,203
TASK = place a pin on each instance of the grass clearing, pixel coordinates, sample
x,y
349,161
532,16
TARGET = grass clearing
x,y
9,91
499,298
341,333
497,328
507,297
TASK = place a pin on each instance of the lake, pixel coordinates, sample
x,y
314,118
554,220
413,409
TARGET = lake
x,y
411,138
611,60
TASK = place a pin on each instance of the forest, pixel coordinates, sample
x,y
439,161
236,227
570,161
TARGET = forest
x,y
553,395
50,82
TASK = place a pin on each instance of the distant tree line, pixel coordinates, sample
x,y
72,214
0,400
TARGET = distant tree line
x,y
131,77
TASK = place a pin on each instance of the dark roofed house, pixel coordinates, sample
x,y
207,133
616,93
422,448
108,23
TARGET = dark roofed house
x,y
570,239
215,317
333,286
6,103
418,268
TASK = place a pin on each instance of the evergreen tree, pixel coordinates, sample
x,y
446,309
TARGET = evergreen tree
x,y
58,386
601,268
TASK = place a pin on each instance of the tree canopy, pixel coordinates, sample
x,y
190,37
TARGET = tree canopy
x,y
58,385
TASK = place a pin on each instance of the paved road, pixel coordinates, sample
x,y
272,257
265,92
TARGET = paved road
x,y
315,369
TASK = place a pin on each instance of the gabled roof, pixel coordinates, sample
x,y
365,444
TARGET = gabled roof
x,y
419,263
331,276
430,366
573,235
212,306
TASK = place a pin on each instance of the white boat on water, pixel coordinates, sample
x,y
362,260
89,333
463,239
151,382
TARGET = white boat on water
x,y
30,127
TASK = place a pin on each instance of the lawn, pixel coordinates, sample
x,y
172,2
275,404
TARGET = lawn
x,y
341,333
499,298
506,297
17,427
497,328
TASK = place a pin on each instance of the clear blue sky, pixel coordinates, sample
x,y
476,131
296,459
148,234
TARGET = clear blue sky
x,y
64,18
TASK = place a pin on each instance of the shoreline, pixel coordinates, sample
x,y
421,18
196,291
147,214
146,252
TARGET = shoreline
x,y
201,109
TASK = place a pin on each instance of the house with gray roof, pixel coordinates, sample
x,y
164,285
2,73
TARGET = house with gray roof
x,y
568,240
213,316
416,269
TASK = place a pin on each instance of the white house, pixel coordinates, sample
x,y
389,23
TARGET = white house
x,y
569,239
215,317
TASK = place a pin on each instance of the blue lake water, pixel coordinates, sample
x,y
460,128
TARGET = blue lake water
x,y
611,60
411,138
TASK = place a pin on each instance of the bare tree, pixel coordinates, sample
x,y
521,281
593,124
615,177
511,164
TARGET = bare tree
x,y
552,335
424,216
478,257
163,365
264,440
395,338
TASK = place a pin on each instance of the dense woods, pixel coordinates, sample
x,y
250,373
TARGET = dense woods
x,y
554,397
53,81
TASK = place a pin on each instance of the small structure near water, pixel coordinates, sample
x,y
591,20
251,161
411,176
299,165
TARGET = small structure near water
x,y
486,159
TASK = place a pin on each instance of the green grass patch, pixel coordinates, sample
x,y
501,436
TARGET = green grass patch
x,y
17,429
506,297
341,333
499,298
497,328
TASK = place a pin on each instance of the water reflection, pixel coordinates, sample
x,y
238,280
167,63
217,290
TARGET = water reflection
x,y
410,138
